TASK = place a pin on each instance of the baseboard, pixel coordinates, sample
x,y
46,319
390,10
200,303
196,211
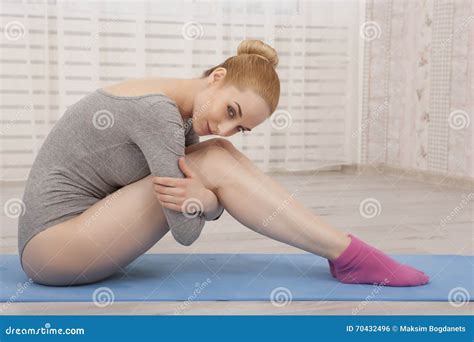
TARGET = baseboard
x,y
424,176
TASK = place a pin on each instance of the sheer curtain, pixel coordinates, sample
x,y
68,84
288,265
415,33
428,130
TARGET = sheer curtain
x,y
54,53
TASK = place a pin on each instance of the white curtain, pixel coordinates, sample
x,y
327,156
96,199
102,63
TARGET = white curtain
x,y
54,53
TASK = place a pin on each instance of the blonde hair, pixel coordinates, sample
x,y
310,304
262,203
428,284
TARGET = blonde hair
x,y
253,68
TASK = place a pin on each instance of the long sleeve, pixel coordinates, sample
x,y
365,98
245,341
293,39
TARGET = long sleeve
x,y
191,137
158,133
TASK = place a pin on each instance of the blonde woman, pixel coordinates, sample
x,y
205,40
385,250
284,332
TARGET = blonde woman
x,y
124,165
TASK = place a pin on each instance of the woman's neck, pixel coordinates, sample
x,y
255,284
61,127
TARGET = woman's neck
x,y
183,92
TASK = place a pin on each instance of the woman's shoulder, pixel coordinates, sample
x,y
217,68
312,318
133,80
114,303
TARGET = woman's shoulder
x,y
138,87
148,91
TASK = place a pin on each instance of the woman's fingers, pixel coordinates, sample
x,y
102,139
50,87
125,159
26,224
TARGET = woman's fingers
x,y
169,181
171,206
185,168
170,199
166,190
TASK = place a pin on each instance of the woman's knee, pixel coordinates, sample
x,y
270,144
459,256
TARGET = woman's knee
x,y
213,161
220,157
223,144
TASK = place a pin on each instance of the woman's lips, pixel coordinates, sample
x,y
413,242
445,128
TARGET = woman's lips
x,y
208,128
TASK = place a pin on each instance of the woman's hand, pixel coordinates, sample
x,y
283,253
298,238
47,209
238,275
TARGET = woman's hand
x,y
187,195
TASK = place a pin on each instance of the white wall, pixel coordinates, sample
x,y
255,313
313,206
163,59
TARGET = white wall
x,y
54,54
419,107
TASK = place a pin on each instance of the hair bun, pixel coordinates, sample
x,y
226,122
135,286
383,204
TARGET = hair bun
x,y
257,47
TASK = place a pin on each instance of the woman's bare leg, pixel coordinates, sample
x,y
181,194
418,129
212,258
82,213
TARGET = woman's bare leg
x,y
260,203
100,241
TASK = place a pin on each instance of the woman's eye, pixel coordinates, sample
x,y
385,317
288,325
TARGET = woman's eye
x,y
231,111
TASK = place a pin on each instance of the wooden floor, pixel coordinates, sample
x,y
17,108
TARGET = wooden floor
x,y
408,223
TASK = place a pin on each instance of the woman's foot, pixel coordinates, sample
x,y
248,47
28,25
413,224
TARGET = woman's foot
x,y
361,263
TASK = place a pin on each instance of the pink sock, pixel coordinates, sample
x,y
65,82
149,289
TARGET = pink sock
x,y
361,263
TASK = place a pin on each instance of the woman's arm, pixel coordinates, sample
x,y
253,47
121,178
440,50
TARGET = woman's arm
x,y
154,130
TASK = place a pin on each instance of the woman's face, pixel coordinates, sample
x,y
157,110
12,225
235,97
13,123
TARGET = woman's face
x,y
225,110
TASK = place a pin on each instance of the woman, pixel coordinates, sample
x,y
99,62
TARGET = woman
x,y
111,178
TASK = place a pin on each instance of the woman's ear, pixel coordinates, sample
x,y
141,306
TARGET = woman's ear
x,y
217,75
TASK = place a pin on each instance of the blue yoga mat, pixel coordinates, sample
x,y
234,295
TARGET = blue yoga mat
x,y
241,277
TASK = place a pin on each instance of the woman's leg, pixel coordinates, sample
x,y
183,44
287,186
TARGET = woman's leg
x,y
260,203
100,241
253,198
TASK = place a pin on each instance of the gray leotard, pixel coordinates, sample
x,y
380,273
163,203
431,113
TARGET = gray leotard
x,y
102,143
